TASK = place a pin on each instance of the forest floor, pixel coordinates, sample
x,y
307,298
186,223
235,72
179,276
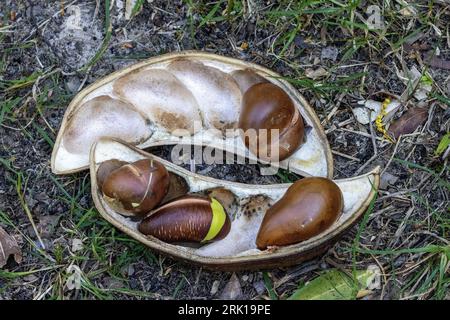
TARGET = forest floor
x,y
338,54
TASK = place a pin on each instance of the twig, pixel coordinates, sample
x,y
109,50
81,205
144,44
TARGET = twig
x,y
401,227
360,133
345,155
395,194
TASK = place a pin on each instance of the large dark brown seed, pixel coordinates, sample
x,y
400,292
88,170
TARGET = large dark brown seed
x,y
266,106
136,188
309,206
187,219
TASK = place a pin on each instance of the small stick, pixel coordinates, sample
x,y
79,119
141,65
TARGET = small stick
x,y
360,133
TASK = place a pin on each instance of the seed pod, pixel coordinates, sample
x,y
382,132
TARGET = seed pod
x,y
136,188
245,204
188,219
105,169
308,207
265,107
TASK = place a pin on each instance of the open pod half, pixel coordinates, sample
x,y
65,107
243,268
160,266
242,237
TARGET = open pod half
x,y
200,94
237,250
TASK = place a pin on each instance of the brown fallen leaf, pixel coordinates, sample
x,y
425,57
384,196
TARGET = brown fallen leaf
x,y
8,246
408,122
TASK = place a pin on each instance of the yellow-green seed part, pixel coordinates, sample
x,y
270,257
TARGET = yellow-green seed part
x,y
217,221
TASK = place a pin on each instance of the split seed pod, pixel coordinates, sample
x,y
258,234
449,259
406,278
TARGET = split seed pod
x,y
308,207
177,98
136,188
188,219
266,107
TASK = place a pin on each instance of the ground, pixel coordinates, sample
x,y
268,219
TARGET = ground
x,y
52,49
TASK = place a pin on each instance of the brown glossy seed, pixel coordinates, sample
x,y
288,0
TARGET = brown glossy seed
x,y
136,188
188,219
246,78
267,106
309,206
105,169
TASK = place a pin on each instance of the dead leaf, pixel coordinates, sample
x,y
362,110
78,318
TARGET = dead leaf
x,y
259,287
408,11
315,74
408,122
232,290
47,225
8,246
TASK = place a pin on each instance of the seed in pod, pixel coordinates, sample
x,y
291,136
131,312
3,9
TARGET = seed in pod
x,y
266,108
136,188
190,218
309,206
